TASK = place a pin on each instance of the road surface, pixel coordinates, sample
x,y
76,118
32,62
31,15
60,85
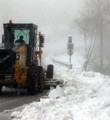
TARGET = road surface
x,y
13,98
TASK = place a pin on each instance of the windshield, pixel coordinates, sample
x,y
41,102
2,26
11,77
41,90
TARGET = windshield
x,y
21,32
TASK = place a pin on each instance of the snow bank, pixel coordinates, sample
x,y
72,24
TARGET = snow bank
x,y
58,92
84,96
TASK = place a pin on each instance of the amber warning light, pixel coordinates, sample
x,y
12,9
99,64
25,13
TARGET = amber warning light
x,y
10,21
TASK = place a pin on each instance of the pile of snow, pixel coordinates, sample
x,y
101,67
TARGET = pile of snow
x,y
58,92
83,96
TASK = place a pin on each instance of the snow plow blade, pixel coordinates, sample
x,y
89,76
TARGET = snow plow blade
x,y
52,82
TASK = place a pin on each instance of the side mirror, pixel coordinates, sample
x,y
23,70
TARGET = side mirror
x,y
2,38
41,44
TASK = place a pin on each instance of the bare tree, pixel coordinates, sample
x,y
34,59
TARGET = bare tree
x,y
86,26
99,9
92,19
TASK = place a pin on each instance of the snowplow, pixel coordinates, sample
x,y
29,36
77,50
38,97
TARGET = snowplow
x,y
20,58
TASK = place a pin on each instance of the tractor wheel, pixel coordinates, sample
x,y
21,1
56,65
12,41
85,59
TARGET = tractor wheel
x,y
47,87
1,88
35,78
41,79
50,70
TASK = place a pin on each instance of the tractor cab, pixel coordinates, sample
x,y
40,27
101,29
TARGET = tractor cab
x,y
12,33
12,38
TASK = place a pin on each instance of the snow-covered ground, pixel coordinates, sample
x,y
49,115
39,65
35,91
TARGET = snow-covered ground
x,y
83,96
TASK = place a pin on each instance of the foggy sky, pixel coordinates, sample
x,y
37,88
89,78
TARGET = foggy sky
x,y
53,17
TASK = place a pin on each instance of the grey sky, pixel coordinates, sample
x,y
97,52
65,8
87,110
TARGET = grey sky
x,y
49,15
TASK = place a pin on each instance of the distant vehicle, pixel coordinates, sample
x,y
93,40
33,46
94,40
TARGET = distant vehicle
x,y
20,58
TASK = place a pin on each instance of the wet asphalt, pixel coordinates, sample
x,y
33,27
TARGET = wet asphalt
x,y
15,99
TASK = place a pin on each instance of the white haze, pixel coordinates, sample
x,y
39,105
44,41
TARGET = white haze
x,y
53,17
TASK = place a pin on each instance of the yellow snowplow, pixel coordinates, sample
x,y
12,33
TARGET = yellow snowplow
x,y
20,58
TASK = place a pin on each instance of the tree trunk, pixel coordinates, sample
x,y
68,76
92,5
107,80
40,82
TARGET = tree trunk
x,y
101,42
85,44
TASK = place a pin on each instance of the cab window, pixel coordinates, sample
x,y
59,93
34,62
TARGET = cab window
x,y
21,32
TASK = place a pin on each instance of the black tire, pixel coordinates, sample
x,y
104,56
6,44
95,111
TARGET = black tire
x,y
50,71
35,79
47,87
1,88
41,79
